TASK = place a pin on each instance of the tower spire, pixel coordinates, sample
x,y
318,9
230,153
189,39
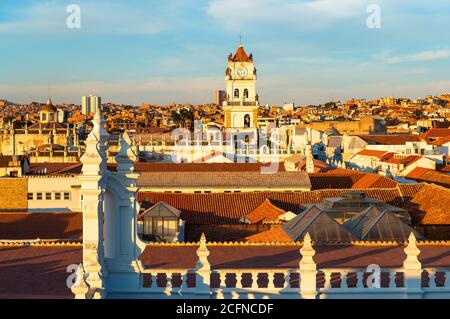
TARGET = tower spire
x,y
240,40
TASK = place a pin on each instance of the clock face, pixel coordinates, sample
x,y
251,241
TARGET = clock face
x,y
242,72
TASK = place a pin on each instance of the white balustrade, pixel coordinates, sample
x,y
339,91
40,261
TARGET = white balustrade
x,y
411,272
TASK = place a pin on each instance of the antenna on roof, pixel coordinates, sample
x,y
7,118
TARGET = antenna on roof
x,y
48,89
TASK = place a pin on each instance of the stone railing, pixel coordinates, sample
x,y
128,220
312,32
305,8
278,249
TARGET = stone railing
x,y
307,282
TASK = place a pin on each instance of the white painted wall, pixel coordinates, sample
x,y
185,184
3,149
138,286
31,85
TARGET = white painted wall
x,y
53,185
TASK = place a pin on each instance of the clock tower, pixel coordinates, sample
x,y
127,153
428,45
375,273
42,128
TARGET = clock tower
x,y
241,103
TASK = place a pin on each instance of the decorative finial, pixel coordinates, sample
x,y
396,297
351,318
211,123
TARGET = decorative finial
x,y
412,253
203,253
240,40
307,252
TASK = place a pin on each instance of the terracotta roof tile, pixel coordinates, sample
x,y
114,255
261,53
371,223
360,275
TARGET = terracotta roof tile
x,y
274,235
197,167
56,168
49,226
29,272
225,208
372,153
232,180
430,176
241,55
430,206
266,212
417,172
347,179
374,181
435,133
390,139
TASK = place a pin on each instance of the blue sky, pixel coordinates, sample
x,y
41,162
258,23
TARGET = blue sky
x,y
306,51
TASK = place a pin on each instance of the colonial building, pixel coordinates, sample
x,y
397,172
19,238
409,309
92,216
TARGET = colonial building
x,y
47,138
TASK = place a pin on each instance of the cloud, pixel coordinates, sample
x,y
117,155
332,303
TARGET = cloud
x,y
423,56
100,17
236,14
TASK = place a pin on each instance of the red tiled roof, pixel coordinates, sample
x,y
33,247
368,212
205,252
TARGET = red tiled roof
x,y
417,172
197,167
372,153
406,161
333,181
46,226
435,133
226,209
29,272
241,55
390,139
430,206
227,180
347,179
56,168
319,166
266,212
374,181
429,176
274,235
344,171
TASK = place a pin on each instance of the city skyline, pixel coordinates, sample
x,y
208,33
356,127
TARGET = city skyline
x,y
306,52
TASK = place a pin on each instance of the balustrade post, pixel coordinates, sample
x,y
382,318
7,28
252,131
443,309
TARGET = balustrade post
x,y
412,270
168,288
154,280
238,279
392,278
255,281
203,270
344,278
447,280
432,276
271,278
287,280
328,276
308,270
359,280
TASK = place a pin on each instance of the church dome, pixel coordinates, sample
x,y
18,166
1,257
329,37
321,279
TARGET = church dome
x,y
49,107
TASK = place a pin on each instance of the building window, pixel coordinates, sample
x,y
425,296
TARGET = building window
x,y
246,94
57,196
161,226
247,121
66,196
30,196
39,196
48,196
236,93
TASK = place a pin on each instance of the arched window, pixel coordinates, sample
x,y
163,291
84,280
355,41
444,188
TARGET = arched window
x,y
246,94
236,93
247,121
